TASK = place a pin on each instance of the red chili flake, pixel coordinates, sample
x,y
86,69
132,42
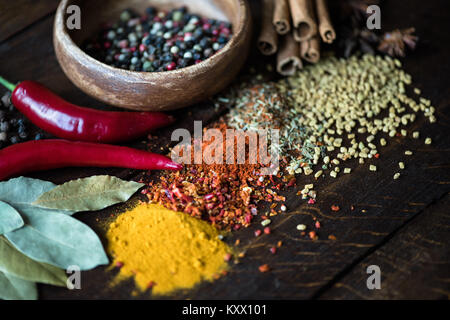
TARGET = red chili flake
x,y
313,235
311,201
279,243
151,284
267,230
331,237
119,264
335,208
264,268
237,242
377,155
291,182
317,225
273,250
258,233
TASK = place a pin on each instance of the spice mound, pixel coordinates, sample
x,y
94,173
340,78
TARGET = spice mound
x,y
158,41
165,250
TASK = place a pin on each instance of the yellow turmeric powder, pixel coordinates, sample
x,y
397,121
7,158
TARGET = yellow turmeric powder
x,y
164,249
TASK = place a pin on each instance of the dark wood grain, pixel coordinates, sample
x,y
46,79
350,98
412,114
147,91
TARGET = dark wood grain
x,y
414,264
19,14
302,268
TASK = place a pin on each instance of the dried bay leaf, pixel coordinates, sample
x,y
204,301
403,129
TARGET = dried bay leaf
x,y
88,194
23,190
10,219
12,288
19,265
56,238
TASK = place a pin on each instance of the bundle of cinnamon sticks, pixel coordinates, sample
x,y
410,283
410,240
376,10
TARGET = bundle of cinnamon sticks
x,y
293,29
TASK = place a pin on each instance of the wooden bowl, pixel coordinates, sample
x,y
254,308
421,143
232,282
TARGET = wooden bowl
x,y
150,91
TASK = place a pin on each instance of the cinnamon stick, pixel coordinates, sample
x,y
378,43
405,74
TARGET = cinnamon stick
x,y
303,19
281,17
288,59
310,49
268,38
326,29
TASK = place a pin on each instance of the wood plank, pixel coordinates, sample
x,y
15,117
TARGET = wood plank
x,y
302,267
19,14
414,264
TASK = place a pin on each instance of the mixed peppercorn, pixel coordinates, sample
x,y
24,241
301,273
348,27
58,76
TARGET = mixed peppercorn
x,y
158,41
14,127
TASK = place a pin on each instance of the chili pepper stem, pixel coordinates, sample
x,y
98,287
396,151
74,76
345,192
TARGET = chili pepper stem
x,y
8,85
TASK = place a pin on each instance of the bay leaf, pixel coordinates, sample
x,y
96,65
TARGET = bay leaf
x,y
19,265
88,194
57,239
12,288
23,190
10,219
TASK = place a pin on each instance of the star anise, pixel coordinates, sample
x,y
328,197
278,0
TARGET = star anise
x,y
394,43
354,40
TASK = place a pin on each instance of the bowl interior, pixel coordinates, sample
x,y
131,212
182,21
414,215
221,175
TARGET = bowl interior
x,y
94,13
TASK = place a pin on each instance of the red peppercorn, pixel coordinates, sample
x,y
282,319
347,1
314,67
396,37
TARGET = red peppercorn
x,y
273,250
267,230
258,233
171,66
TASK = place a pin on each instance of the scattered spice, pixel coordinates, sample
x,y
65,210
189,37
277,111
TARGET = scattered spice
x,y
428,141
313,235
335,208
265,222
396,176
264,268
301,227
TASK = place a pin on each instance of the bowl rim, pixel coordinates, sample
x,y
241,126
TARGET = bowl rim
x,y
236,37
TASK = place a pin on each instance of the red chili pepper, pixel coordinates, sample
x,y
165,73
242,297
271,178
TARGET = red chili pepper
x,y
65,120
40,155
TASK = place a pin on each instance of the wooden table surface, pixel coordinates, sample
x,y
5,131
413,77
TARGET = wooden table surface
x,y
405,229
